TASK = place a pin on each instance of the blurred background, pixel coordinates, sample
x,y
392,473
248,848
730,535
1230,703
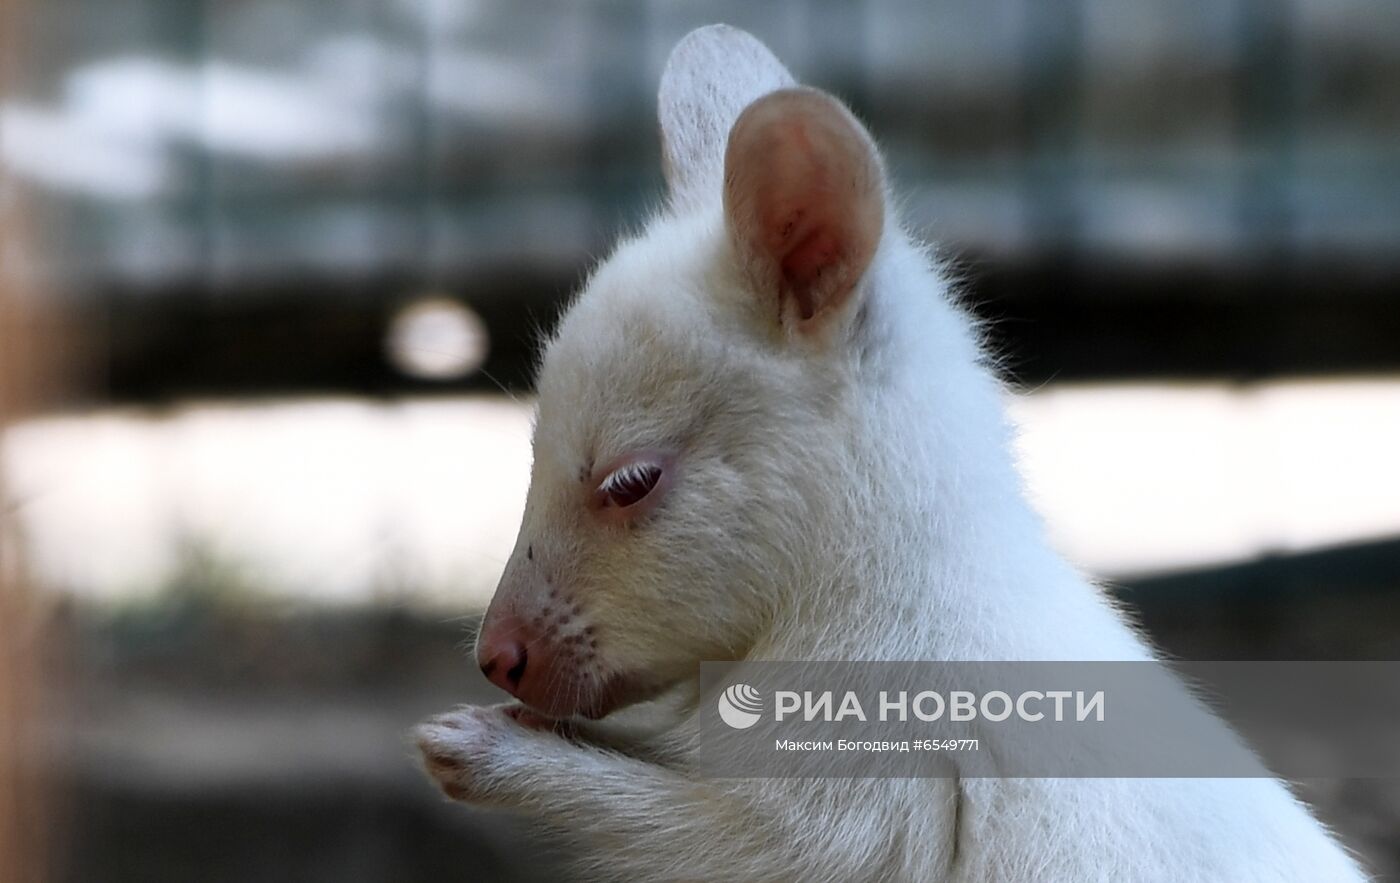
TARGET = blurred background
x,y
273,276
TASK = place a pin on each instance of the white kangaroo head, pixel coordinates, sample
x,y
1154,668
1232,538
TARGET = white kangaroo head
x,y
692,404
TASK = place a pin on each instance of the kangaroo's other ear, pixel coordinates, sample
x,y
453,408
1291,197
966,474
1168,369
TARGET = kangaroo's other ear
x,y
712,75
804,200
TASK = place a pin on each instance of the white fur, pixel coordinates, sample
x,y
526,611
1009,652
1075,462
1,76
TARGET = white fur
x,y
712,75
842,495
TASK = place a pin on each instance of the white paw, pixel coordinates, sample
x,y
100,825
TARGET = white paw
x,y
464,750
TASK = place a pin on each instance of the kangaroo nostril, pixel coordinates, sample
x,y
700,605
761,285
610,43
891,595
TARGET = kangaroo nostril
x,y
517,671
502,660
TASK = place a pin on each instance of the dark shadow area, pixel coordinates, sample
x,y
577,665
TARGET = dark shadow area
x,y
1053,321
1334,604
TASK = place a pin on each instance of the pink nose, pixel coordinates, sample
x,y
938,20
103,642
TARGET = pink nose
x,y
502,655
538,668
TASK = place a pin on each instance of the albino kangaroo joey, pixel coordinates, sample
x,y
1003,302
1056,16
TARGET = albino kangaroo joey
x,y
766,431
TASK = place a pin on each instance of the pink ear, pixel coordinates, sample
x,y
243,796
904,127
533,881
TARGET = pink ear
x,y
804,200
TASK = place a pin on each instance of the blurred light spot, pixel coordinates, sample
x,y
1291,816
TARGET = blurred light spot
x,y
437,339
69,152
282,116
1139,478
331,499
121,119
419,501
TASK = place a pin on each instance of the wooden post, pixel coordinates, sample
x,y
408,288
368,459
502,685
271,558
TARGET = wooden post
x,y
22,816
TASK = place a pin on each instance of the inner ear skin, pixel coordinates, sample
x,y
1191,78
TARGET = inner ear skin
x,y
802,269
804,198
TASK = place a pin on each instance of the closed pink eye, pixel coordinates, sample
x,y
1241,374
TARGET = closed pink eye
x,y
631,485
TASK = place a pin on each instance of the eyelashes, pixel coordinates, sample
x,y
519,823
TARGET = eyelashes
x,y
629,484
